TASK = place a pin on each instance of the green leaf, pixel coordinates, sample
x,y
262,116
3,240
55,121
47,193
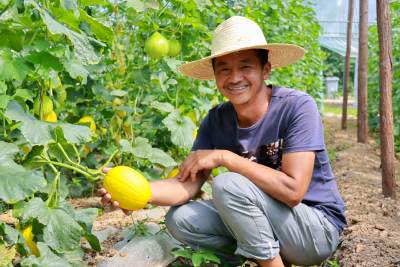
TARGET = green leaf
x,y
86,49
6,256
201,4
3,87
128,110
45,59
160,157
16,183
66,17
25,93
174,64
13,69
43,132
70,5
14,39
61,232
204,102
4,100
9,234
211,257
94,2
204,90
182,253
141,76
102,92
197,259
87,217
163,80
181,129
102,32
167,107
73,257
75,69
207,187
118,93
141,6
141,147
41,44
47,258
37,153
93,241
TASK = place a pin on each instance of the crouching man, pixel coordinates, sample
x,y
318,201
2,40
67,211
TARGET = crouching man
x,y
279,202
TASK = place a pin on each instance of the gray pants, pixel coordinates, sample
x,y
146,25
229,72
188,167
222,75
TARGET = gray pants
x,y
261,226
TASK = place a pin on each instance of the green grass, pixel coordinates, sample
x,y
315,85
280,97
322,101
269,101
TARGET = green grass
x,y
338,111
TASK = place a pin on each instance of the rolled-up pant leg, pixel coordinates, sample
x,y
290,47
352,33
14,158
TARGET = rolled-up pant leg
x,y
265,227
198,225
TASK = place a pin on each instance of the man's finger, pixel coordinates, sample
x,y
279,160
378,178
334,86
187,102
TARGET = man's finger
x,y
101,192
106,169
114,206
127,212
185,169
106,199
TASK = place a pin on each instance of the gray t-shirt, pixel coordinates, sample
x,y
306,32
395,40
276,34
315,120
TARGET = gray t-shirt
x,y
292,123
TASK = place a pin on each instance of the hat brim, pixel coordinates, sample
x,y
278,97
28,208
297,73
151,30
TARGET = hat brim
x,y
280,55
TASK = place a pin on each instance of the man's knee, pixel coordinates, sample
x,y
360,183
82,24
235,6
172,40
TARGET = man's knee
x,y
228,183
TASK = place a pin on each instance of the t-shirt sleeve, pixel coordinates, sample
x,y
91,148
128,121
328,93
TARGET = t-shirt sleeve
x,y
203,138
304,131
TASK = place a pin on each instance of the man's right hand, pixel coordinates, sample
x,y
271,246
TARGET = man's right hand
x,y
106,198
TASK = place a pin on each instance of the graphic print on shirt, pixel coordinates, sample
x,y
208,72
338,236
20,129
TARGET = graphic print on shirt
x,y
269,155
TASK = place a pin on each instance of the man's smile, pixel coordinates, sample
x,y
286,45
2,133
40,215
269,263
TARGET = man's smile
x,y
237,88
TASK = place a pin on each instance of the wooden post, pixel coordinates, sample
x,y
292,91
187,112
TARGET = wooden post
x,y
362,119
347,67
385,109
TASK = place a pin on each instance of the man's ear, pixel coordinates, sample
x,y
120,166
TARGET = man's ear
x,y
267,70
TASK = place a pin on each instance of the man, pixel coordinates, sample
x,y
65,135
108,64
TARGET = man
x,y
279,202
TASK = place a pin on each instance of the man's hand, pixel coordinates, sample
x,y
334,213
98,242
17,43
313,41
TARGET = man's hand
x,y
204,160
107,197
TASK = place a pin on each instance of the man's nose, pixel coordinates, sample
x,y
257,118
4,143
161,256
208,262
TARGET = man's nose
x,y
235,76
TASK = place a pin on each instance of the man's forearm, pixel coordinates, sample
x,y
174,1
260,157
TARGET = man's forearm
x,y
172,192
275,183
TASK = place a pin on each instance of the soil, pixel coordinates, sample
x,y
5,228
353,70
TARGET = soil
x,y
372,237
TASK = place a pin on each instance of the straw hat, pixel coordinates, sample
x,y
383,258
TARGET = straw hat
x,y
240,33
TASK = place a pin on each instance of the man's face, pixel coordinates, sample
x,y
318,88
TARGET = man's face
x,y
239,75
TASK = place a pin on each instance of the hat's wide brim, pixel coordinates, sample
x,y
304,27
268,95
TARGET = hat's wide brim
x,y
279,55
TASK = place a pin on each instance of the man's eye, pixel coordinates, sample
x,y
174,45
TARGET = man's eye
x,y
244,67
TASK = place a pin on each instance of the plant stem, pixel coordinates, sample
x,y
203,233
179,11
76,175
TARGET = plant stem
x,y
72,168
109,160
68,159
34,35
77,153
162,10
7,6
52,189
177,96
25,27
41,103
170,98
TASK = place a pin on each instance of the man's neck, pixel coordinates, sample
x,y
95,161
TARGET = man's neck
x,y
251,112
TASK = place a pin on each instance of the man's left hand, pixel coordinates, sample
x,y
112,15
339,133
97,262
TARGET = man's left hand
x,y
205,160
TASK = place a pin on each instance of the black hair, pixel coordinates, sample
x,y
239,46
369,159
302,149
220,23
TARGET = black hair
x,y
262,55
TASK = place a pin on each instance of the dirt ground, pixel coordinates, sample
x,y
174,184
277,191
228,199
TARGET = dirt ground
x,y
372,237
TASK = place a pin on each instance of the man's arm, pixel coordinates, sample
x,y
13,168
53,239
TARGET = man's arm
x,y
168,192
288,186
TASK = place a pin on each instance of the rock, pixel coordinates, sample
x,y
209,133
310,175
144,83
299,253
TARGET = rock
x,y
152,251
155,213
359,248
380,227
102,235
8,218
93,202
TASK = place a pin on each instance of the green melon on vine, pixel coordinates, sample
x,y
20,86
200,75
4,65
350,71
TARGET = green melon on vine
x,y
156,46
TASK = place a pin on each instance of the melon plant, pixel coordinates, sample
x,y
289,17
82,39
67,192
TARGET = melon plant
x,y
156,46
